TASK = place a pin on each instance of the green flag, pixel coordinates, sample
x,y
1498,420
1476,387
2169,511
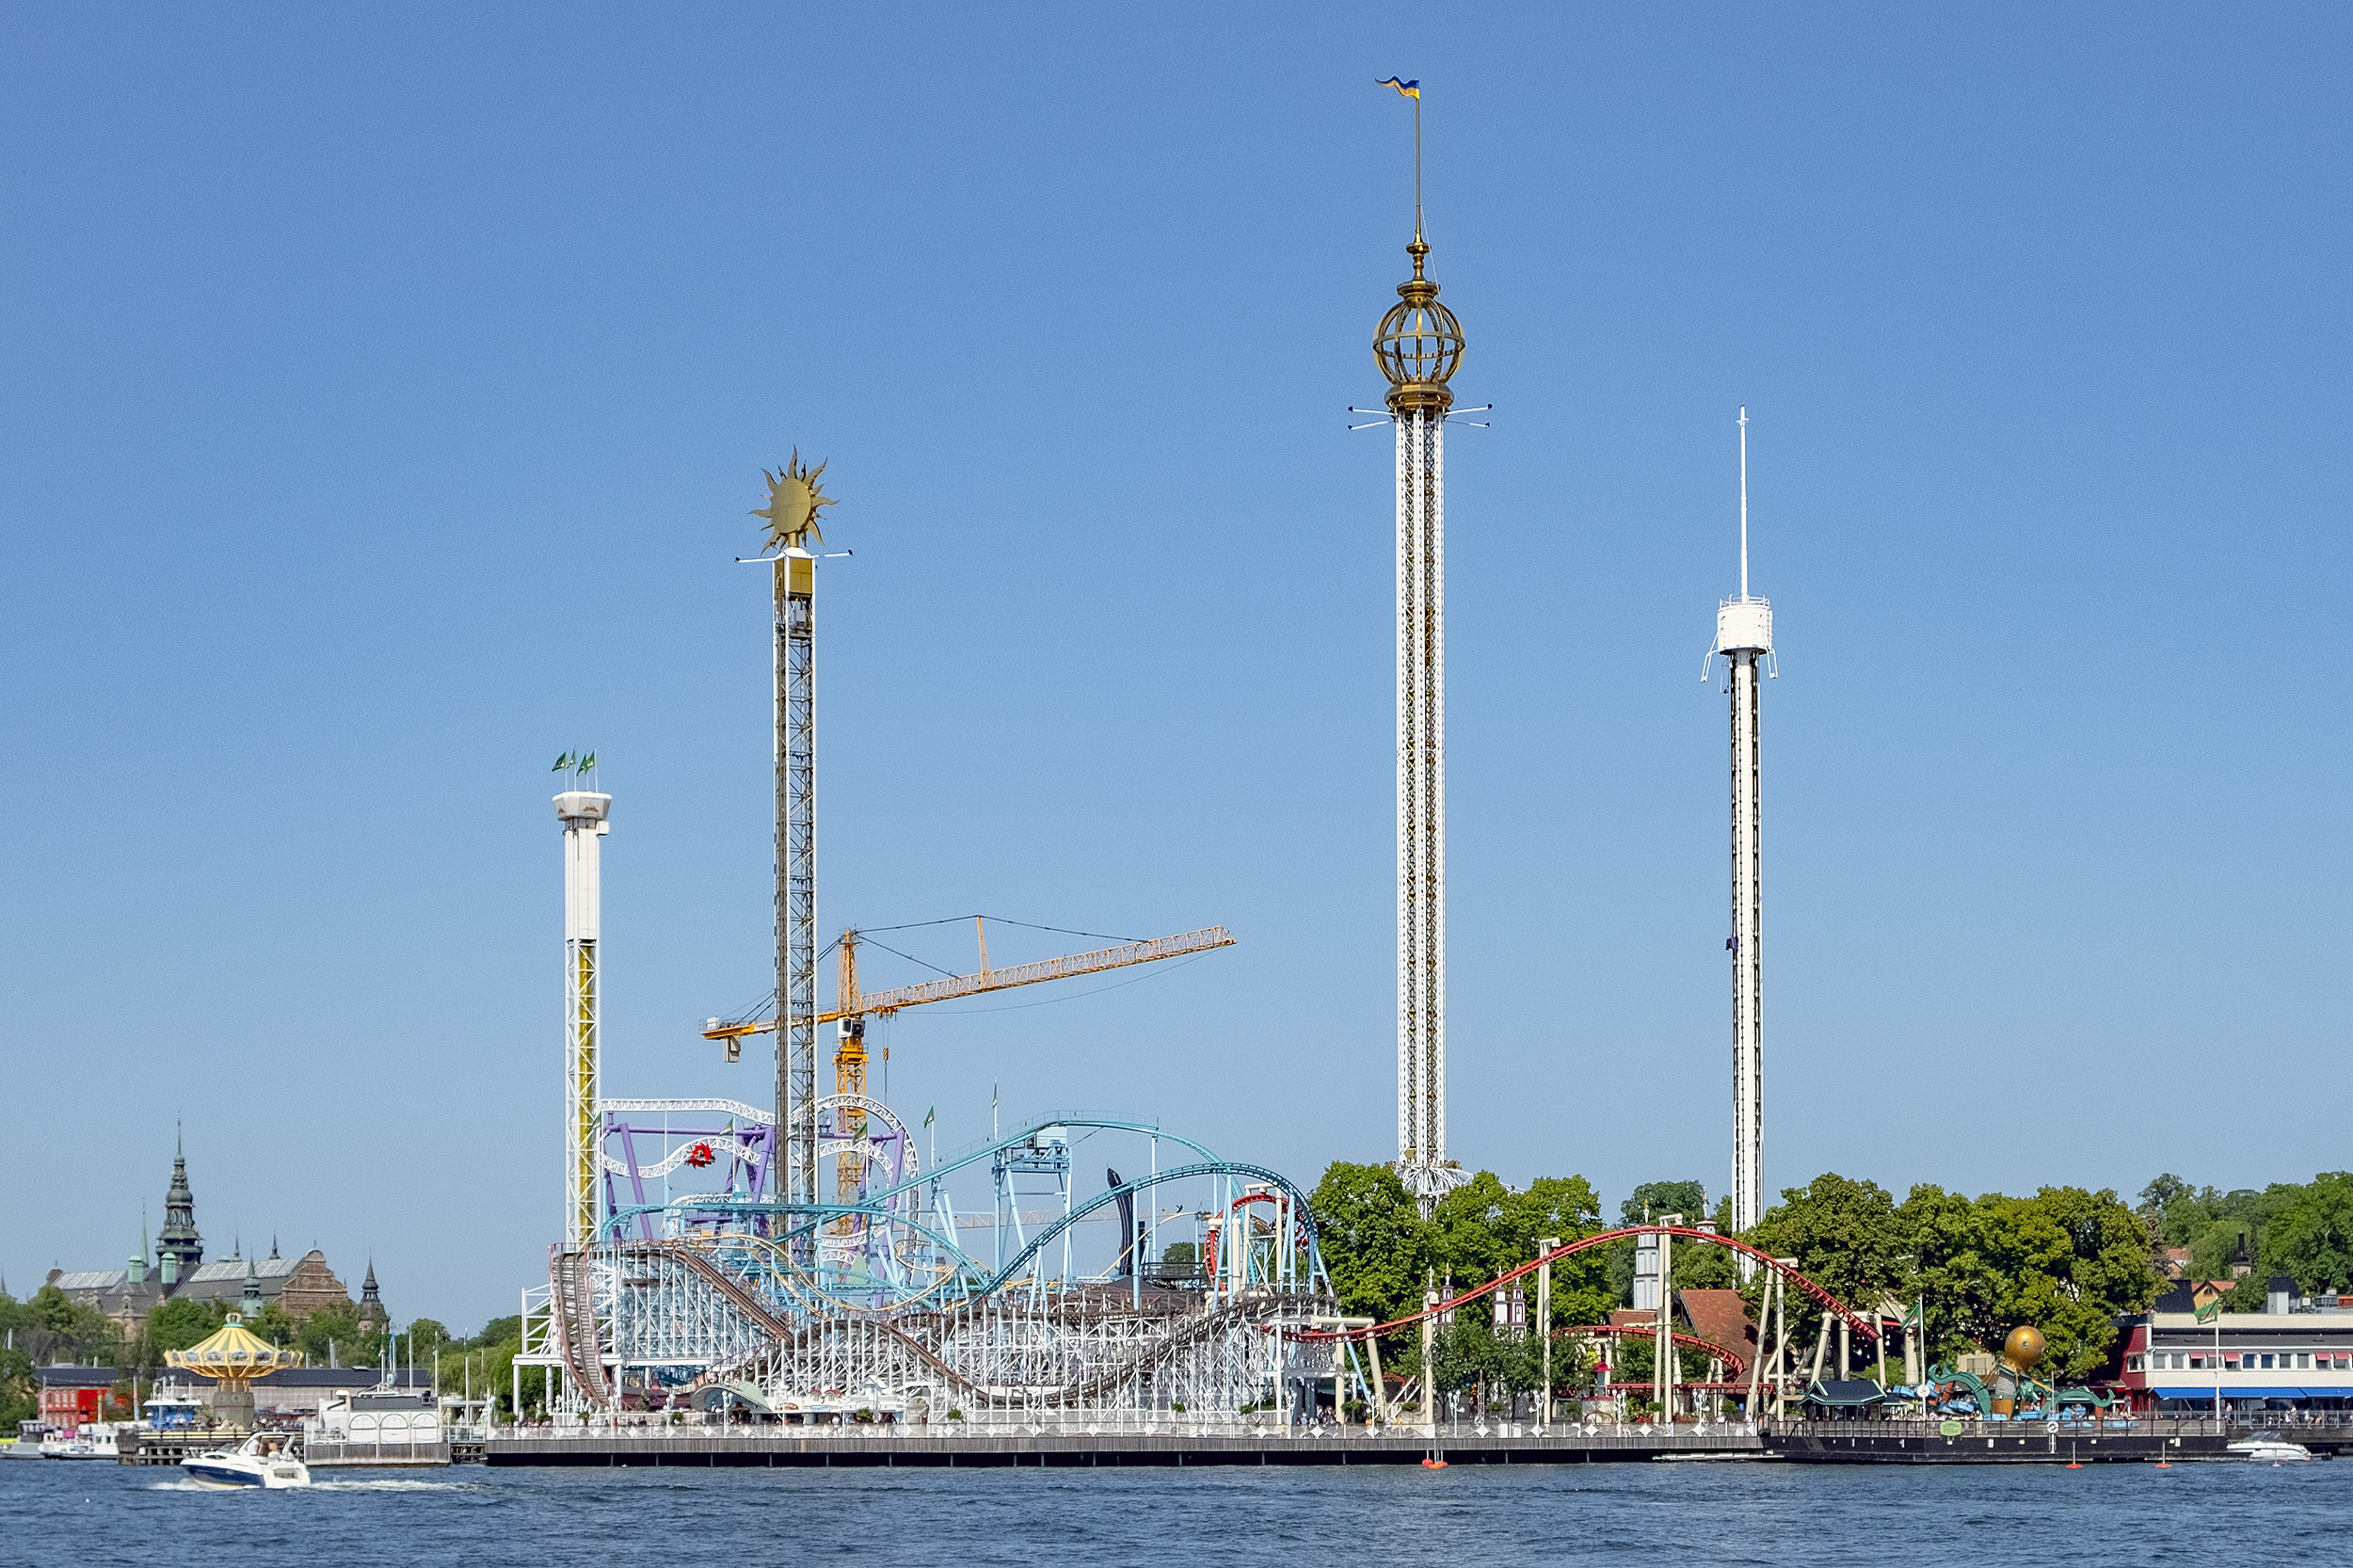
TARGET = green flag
x,y
562,762
928,1114
589,761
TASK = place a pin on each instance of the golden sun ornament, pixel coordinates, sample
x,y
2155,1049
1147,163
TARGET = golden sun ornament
x,y
793,502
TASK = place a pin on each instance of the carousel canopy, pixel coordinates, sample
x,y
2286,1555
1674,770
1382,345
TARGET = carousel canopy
x,y
235,1355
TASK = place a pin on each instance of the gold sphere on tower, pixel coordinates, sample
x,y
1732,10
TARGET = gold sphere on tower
x,y
2023,1348
1419,344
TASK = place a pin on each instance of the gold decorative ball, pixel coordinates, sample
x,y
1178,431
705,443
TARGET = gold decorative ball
x,y
1419,344
2023,1348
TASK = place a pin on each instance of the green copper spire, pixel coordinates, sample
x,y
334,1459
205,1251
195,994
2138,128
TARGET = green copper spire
x,y
178,1247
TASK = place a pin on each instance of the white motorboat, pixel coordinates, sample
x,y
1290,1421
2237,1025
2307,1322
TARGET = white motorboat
x,y
258,1460
2269,1447
94,1441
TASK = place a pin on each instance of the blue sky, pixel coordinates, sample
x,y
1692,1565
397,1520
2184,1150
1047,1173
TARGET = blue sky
x,y
386,389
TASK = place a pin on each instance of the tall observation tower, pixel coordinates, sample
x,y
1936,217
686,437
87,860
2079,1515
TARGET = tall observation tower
x,y
1744,635
1419,346
588,816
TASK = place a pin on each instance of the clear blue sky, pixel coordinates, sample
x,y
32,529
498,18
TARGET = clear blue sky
x,y
386,389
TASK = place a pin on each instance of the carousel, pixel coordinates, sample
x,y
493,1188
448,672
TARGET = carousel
x,y
234,1357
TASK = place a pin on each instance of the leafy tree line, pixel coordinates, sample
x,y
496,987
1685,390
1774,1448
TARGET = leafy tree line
x,y
2065,1260
2301,1229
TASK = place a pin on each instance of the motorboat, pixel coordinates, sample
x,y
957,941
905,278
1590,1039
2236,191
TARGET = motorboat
x,y
2269,1447
262,1460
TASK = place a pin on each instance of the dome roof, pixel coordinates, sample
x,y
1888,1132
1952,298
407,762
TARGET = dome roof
x,y
1418,345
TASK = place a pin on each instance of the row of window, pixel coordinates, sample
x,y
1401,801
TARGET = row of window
x,y
2244,1361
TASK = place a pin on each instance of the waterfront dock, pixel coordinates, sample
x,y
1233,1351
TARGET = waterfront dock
x,y
1897,1442
1007,1447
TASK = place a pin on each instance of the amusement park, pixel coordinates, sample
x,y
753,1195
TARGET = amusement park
x,y
813,1265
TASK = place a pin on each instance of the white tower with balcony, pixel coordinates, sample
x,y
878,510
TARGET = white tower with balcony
x,y
1744,635
586,816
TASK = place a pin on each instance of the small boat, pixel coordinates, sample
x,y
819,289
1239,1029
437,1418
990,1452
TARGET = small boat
x,y
258,1460
95,1441
2269,1447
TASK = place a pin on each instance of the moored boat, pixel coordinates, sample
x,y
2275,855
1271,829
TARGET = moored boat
x,y
2269,1447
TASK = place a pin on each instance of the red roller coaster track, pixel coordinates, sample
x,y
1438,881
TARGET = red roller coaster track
x,y
1737,1362
1830,1303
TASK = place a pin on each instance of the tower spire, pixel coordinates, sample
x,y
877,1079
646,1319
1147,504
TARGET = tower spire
x,y
1418,345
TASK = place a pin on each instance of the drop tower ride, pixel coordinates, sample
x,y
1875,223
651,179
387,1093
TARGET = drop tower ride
x,y
1419,346
1744,635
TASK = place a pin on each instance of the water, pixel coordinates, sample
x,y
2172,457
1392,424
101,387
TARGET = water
x,y
68,1515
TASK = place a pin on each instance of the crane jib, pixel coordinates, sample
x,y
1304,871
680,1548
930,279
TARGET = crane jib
x,y
954,986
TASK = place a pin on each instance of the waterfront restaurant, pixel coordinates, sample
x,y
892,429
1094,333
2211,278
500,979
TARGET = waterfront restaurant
x,y
2295,1355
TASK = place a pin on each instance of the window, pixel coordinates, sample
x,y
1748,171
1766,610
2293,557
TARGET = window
x,y
2177,1361
2266,1363
2197,1363
2303,1360
2230,1360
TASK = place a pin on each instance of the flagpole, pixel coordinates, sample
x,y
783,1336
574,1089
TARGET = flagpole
x,y
1417,162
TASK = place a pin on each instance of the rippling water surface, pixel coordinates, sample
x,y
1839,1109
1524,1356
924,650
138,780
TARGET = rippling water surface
x,y
1466,1516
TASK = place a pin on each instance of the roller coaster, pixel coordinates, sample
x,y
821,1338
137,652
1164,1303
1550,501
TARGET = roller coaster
x,y
1199,1303
720,1298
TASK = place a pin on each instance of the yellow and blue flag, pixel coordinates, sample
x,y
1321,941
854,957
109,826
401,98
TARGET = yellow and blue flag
x,y
1404,90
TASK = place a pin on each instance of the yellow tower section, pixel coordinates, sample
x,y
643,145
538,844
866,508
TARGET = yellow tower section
x,y
586,817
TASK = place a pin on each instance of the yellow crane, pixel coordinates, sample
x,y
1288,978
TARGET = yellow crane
x,y
852,1007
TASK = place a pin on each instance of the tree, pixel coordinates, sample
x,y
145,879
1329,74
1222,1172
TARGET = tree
x,y
1485,1229
1950,1275
1653,1201
2162,1193
1373,1239
2219,1246
2071,1261
59,1329
1476,1231
19,1401
1649,1202
2310,1235
334,1335
427,1337
177,1325
1845,1235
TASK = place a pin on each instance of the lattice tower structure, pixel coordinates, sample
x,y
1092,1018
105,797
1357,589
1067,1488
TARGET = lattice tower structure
x,y
586,816
1418,345
797,870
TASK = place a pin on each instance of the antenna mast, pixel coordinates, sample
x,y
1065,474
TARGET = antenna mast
x,y
1744,502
